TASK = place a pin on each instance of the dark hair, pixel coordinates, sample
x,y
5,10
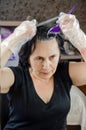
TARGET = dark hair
x,y
29,46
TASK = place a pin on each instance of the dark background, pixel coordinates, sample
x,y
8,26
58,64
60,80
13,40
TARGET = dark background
x,y
41,9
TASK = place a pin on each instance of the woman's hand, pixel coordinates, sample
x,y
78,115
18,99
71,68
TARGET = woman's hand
x,y
26,30
71,29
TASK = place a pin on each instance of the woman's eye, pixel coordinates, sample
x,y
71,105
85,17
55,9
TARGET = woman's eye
x,y
52,57
39,58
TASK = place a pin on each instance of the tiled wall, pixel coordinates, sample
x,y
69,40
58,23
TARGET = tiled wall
x,y
41,9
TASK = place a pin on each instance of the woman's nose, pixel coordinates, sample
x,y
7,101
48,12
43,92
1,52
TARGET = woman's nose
x,y
46,64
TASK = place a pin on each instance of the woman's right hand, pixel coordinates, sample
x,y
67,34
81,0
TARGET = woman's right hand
x,y
26,30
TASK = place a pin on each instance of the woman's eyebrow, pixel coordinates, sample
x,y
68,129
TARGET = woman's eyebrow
x,y
39,56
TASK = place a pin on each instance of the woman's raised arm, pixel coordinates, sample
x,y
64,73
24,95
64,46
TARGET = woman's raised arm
x,y
25,31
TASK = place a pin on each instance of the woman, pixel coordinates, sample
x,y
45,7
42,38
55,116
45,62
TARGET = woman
x,y
38,89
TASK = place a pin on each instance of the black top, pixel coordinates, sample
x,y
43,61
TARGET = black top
x,y
27,109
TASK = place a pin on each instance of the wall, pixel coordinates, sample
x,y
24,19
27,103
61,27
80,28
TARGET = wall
x,y
41,9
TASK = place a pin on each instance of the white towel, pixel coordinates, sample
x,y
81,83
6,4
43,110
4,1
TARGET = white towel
x,y
77,114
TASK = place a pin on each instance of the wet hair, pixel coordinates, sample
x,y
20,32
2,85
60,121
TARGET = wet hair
x,y
41,35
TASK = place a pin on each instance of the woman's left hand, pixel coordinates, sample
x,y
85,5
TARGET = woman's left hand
x,y
71,29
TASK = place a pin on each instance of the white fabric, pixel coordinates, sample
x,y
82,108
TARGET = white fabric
x,y
77,114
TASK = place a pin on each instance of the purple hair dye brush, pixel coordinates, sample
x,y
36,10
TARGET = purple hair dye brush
x,y
56,29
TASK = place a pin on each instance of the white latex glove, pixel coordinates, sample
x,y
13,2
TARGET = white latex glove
x,y
71,29
24,32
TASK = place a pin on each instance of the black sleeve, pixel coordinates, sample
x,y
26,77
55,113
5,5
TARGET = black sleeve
x,y
63,73
18,77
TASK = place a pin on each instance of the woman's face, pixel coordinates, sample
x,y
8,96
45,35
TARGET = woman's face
x,y
44,59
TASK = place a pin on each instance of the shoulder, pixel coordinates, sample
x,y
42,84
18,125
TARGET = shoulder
x,y
62,74
63,66
18,72
21,74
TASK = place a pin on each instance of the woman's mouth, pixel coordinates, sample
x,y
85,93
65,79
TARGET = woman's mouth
x,y
46,73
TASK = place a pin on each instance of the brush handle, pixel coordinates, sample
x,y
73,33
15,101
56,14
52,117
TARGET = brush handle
x,y
73,8
56,29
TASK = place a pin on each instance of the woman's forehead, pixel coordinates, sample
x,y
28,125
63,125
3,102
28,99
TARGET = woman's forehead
x,y
47,47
